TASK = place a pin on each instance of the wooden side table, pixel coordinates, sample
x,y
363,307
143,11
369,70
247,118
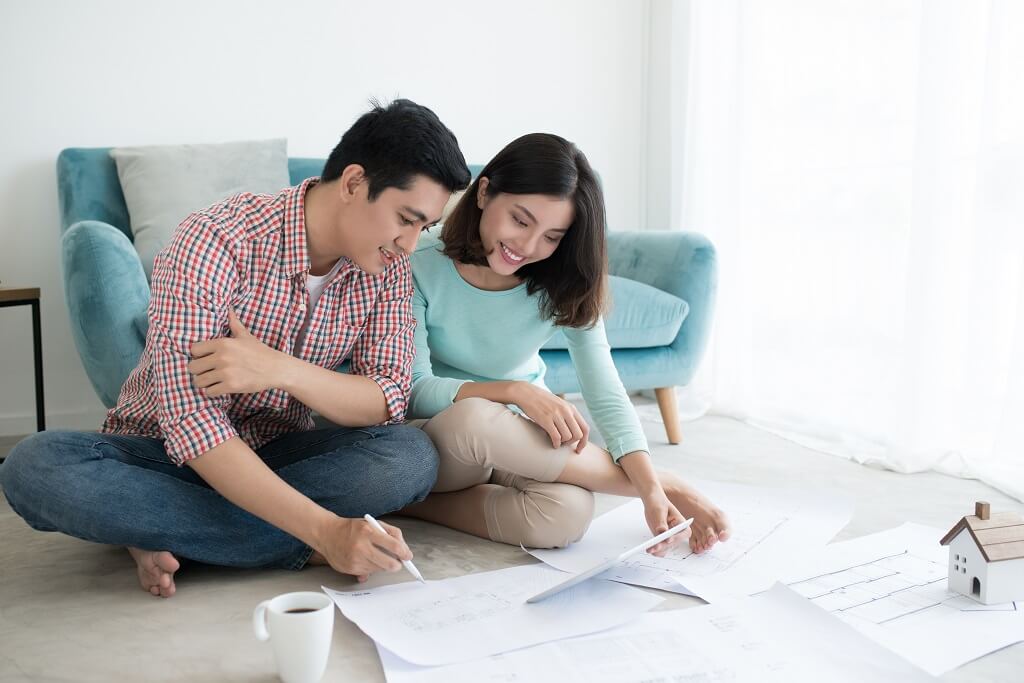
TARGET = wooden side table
x,y
30,296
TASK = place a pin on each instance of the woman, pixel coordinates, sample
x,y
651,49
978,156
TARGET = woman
x,y
521,257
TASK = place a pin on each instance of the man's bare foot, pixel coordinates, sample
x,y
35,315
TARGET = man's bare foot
x,y
156,570
710,525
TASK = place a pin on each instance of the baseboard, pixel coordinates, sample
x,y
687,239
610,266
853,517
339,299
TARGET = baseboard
x,y
25,423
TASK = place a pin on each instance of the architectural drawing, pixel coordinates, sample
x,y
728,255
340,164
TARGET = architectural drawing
x,y
887,589
454,609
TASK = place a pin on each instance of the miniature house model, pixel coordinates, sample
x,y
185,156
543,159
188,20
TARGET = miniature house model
x,y
986,556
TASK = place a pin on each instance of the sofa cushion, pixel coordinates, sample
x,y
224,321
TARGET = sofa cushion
x,y
641,317
163,184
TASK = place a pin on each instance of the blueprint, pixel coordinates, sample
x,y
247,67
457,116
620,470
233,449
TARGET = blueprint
x,y
892,586
477,615
775,637
771,530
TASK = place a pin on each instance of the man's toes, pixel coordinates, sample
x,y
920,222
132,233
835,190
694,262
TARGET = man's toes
x,y
154,590
166,561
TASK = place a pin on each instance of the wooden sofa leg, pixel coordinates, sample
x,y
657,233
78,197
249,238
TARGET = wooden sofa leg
x,y
561,396
669,413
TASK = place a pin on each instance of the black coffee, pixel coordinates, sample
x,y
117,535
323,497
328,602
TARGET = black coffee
x,y
300,610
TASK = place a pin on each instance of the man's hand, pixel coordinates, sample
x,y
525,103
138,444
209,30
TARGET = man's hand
x,y
239,364
352,546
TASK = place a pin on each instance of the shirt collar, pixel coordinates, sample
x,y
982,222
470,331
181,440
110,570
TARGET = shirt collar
x,y
294,253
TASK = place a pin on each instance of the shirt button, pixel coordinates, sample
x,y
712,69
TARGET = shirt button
x,y
302,307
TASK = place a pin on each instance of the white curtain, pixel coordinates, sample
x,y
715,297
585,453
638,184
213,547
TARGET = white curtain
x,y
860,167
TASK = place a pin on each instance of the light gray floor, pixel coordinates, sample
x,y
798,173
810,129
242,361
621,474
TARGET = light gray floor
x,y
72,611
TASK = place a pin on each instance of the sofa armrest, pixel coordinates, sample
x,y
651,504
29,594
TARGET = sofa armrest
x,y
107,297
681,263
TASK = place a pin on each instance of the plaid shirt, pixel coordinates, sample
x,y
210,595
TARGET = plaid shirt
x,y
248,254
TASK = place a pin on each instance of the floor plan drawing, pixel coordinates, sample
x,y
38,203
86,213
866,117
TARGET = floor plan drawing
x,y
659,572
478,615
455,609
770,529
888,589
892,586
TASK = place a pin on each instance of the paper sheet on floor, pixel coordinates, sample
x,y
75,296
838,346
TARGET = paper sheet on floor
x,y
775,636
771,530
892,586
477,615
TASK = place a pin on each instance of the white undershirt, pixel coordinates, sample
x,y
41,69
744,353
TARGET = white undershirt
x,y
315,287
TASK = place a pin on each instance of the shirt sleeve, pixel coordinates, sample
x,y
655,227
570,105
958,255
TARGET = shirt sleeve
x,y
430,394
191,290
384,352
606,398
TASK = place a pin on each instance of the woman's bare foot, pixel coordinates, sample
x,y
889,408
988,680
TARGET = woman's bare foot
x,y
710,525
156,570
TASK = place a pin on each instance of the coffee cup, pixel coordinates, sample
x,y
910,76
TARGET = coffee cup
x,y
299,626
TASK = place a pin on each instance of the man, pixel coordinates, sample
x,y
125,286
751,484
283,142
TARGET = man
x,y
210,453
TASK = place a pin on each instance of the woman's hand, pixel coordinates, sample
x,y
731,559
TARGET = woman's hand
x,y
662,515
556,416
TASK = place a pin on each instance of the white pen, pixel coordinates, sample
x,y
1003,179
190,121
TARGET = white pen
x,y
408,563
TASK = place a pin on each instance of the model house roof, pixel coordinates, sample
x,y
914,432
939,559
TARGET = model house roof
x,y
999,536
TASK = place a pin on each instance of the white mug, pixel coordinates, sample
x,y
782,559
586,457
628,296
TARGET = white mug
x,y
299,626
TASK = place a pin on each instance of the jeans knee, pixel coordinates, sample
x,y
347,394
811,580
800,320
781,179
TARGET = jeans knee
x,y
21,474
414,467
423,459
563,513
16,466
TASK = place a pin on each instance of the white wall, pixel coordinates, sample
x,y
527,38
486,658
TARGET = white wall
x,y
112,72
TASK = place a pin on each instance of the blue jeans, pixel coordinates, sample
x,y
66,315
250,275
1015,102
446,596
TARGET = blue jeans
x,y
123,490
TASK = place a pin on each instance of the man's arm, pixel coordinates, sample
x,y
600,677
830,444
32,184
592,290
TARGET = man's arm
x,y
350,546
242,364
346,400
377,390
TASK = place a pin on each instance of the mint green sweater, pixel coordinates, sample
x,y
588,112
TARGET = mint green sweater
x,y
468,334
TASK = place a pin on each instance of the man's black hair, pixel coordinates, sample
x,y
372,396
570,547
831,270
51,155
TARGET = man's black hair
x,y
394,144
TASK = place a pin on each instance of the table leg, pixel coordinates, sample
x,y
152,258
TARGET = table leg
x,y
37,347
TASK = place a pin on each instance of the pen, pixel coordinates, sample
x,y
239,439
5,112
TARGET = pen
x,y
407,563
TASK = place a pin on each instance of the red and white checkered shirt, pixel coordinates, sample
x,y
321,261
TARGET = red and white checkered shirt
x,y
248,254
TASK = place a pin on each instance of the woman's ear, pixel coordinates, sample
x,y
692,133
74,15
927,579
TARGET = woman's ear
x,y
481,192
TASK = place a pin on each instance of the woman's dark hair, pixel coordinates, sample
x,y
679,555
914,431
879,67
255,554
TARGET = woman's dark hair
x,y
394,144
573,280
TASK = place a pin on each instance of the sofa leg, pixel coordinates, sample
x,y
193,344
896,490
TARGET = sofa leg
x,y
561,396
669,413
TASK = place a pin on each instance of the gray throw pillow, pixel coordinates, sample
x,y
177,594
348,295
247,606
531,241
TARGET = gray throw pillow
x,y
163,184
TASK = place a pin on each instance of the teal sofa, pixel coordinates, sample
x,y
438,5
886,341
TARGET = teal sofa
x,y
663,290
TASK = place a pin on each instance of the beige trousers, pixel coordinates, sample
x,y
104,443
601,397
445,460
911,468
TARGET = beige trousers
x,y
483,442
